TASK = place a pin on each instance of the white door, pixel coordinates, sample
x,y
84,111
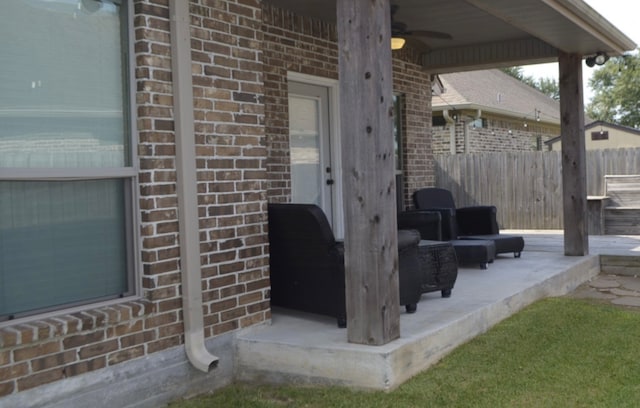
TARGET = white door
x,y
312,162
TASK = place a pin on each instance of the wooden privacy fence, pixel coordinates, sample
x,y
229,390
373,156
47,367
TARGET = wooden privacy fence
x,y
526,186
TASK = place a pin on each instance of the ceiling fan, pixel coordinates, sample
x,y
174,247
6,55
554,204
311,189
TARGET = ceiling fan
x,y
399,31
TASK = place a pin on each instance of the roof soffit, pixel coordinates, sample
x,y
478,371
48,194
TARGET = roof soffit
x,y
493,33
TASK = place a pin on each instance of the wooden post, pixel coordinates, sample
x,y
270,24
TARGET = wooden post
x,y
366,103
574,168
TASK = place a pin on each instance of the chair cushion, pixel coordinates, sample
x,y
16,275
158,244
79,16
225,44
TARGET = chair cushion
x,y
503,243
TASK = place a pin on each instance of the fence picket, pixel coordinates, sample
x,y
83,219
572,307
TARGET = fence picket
x,y
525,186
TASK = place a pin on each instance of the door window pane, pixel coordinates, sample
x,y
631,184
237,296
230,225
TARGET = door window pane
x,y
304,140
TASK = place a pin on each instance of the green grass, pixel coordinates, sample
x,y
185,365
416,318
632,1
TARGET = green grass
x,y
558,352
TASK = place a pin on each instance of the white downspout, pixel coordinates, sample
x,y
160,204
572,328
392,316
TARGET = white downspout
x,y
452,130
196,350
467,142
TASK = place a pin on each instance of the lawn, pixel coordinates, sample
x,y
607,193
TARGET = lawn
x,y
559,352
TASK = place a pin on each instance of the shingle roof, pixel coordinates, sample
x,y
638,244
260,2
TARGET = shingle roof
x,y
496,91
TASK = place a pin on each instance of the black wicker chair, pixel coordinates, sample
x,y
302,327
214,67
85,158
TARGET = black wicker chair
x,y
307,263
467,223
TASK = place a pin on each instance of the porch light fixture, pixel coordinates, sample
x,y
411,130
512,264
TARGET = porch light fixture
x,y
397,43
599,59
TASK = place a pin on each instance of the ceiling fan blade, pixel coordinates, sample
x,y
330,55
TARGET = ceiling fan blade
x,y
431,34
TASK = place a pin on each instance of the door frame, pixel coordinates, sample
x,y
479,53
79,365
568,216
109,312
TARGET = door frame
x,y
337,223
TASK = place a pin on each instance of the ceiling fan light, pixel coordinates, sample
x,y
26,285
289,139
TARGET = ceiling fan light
x,y
397,43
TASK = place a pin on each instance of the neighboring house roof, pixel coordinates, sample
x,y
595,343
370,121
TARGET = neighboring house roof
x,y
601,123
497,92
627,129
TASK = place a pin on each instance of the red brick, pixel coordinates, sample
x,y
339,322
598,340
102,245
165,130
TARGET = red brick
x,y
137,339
224,304
125,355
225,327
163,344
252,319
26,333
83,339
14,370
8,337
30,352
98,349
85,366
171,330
161,267
7,388
52,361
250,298
162,293
233,314
169,305
127,328
160,320
41,378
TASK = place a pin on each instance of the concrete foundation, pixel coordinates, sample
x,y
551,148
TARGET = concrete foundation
x,y
299,348
148,382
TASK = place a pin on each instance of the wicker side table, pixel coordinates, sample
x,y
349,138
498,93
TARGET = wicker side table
x,y
438,266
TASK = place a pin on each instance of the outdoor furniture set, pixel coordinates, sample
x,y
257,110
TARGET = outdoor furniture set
x,y
473,231
307,262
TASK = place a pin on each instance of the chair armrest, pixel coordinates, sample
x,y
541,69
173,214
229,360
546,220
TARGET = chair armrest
x,y
477,220
428,223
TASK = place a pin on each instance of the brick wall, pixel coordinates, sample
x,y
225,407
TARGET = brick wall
x,y
297,44
231,165
410,80
501,135
303,45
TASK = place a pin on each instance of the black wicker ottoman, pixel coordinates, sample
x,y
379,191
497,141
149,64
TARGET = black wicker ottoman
x,y
438,265
474,251
504,243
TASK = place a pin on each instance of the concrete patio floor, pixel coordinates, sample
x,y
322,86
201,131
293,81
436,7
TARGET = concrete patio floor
x,y
309,349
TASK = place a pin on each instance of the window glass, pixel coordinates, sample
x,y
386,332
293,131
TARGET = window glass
x,y
64,239
60,243
61,72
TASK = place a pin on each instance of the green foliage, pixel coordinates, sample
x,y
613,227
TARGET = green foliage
x,y
547,86
616,87
557,353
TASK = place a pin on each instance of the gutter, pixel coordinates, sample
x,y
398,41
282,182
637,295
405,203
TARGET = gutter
x,y
186,182
588,19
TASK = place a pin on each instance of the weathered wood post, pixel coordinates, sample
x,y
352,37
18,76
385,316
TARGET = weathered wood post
x,y
371,253
574,167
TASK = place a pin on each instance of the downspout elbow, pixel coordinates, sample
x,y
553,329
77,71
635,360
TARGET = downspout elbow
x,y
447,117
195,348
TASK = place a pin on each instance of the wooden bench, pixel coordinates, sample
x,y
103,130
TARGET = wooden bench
x,y
622,211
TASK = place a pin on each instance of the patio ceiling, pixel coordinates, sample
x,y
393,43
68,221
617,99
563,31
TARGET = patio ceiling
x,y
493,33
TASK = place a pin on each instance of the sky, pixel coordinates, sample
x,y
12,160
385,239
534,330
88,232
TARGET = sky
x,y
621,13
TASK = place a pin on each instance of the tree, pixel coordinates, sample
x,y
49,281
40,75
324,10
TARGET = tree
x,y
547,86
616,87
